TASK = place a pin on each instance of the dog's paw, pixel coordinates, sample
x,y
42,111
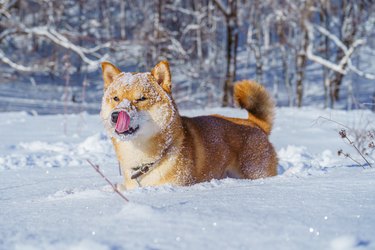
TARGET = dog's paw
x,y
120,187
117,186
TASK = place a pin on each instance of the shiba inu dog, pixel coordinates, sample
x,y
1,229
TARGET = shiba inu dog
x,y
155,145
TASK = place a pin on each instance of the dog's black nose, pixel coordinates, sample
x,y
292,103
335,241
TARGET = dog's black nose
x,y
114,116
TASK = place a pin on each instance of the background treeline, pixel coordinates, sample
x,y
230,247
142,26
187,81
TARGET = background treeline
x,y
317,49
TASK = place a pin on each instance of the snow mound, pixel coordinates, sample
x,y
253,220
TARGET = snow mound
x,y
82,245
49,155
348,242
137,210
39,146
97,143
76,193
297,161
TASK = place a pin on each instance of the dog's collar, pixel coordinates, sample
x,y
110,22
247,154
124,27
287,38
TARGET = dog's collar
x,y
146,167
138,171
141,170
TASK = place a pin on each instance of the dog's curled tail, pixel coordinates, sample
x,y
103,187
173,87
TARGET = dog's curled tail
x,y
257,101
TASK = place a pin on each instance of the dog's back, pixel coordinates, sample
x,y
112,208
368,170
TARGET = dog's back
x,y
223,146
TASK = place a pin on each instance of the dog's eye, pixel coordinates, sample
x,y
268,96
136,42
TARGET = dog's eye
x,y
116,99
141,99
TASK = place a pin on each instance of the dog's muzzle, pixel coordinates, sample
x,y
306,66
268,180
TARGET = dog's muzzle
x,y
121,120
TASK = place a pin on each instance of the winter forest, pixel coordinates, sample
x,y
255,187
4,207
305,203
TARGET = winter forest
x,y
311,52
63,159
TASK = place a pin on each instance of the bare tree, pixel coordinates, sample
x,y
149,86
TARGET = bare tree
x,y
284,41
230,15
13,29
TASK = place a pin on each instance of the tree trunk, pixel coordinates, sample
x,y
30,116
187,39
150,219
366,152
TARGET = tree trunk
x,y
350,95
154,51
258,63
287,78
80,30
255,48
335,85
326,81
228,77
232,44
122,20
347,34
197,6
301,65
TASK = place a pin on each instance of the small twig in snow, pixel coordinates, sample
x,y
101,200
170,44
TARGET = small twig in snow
x,y
97,169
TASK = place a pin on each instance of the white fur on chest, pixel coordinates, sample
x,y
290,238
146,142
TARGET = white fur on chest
x,y
131,155
158,174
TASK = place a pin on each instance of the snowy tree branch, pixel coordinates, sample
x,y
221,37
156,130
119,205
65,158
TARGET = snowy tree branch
x,y
62,41
341,45
341,67
318,59
322,61
5,5
182,10
7,33
221,7
55,37
177,47
360,73
20,67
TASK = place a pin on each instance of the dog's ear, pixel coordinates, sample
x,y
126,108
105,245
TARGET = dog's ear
x,y
110,71
162,75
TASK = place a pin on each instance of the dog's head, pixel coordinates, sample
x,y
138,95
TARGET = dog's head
x,y
137,105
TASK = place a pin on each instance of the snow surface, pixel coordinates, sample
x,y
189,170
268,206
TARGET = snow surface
x,y
50,198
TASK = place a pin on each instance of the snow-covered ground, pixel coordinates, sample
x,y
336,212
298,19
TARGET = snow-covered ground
x,y
50,198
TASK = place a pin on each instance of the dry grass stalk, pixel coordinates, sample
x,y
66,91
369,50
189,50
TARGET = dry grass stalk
x,y
344,136
363,141
114,187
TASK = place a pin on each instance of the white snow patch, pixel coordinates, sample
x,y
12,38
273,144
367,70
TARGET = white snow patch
x,y
294,160
97,143
347,242
43,154
82,245
38,146
76,193
137,210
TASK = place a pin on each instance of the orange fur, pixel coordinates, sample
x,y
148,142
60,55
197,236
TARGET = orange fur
x,y
255,99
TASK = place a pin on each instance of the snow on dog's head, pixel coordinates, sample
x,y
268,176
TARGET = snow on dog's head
x,y
136,105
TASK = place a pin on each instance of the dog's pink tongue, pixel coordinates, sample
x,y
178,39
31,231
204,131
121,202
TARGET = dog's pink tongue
x,y
123,121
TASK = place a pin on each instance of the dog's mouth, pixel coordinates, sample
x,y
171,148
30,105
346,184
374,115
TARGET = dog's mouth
x,y
130,131
121,121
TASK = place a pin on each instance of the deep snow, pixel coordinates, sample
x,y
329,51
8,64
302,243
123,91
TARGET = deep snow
x,y
50,198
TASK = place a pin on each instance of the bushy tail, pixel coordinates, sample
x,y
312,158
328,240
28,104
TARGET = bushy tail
x,y
257,101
